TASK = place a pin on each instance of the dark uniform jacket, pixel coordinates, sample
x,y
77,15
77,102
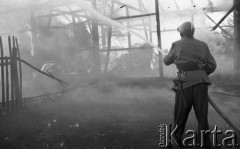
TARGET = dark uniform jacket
x,y
188,50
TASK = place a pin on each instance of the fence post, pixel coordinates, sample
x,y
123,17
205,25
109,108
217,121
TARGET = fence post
x,y
2,73
7,82
15,73
11,74
20,73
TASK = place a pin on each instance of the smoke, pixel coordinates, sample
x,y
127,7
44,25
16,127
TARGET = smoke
x,y
122,102
215,41
107,91
85,6
220,48
223,4
117,102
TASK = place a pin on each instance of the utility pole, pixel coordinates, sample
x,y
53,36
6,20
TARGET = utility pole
x,y
237,39
159,39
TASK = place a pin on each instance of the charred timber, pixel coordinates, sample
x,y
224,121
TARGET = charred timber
x,y
224,17
134,16
223,30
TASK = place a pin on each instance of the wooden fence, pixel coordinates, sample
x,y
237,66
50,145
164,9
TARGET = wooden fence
x,y
11,75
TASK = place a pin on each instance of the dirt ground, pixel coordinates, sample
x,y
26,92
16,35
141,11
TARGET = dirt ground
x,y
107,115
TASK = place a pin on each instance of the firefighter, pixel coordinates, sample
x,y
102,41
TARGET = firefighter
x,y
194,62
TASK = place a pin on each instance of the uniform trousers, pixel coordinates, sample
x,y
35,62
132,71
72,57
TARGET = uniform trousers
x,y
195,96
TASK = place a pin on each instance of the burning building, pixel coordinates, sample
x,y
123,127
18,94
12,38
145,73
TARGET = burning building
x,y
106,57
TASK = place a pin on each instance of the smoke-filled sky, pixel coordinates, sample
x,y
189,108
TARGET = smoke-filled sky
x,y
12,11
170,5
166,5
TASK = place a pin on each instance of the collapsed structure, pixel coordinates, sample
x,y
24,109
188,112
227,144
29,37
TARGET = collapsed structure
x,y
60,28
82,40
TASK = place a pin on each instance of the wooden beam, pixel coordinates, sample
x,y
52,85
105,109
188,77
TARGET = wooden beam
x,y
143,21
225,31
103,32
150,28
109,41
2,72
95,38
134,16
224,17
171,30
128,25
159,39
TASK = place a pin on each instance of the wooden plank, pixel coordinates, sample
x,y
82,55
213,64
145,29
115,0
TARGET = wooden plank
x,y
7,83
20,72
15,73
11,75
44,73
2,72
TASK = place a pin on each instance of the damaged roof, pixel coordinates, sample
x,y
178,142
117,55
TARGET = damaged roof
x,y
12,6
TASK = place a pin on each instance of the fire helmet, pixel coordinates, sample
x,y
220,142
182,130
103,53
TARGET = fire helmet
x,y
186,29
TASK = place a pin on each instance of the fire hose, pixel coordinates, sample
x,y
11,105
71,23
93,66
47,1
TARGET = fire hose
x,y
181,80
220,112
